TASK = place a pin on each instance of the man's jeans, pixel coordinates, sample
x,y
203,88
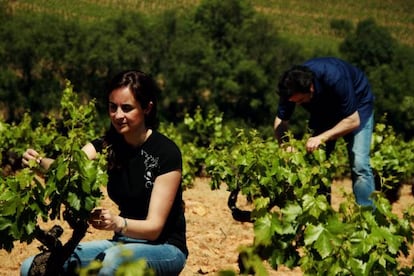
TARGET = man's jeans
x,y
359,146
165,259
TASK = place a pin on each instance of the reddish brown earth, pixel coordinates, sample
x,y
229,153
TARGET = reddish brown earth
x,y
213,235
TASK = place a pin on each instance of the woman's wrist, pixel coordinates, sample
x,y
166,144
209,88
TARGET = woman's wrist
x,y
122,225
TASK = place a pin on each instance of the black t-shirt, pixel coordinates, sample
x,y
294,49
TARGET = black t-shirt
x,y
130,185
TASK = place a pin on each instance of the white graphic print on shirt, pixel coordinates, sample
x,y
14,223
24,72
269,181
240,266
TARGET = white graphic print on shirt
x,y
150,163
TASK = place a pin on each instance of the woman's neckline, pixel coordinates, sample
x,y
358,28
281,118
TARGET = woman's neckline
x,y
148,133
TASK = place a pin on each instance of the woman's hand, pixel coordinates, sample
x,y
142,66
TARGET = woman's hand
x,y
30,154
103,219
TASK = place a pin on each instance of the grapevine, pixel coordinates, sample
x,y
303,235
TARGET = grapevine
x,y
294,225
70,189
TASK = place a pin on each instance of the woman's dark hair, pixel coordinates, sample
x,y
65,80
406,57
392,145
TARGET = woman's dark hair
x,y
143,87
145,90
297,79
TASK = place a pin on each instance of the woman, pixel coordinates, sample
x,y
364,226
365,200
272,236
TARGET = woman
x,y
144,180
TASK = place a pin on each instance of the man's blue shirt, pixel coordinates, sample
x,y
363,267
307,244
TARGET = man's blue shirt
x,y
340,90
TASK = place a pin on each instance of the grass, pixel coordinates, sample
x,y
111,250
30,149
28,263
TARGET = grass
x,y
307,22
97,9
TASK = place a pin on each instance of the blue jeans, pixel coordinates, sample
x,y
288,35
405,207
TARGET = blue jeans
x,y
165,259
359,146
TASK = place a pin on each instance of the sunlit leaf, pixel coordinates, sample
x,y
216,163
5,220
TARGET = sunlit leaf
x,y
263,230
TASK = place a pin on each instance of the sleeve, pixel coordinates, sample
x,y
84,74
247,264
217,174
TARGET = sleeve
x,y
98,144
170,157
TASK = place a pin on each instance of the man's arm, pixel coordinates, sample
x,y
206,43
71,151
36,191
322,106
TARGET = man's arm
x,y
343,127
280,127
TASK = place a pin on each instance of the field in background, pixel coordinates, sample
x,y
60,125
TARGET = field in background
x,y
307,22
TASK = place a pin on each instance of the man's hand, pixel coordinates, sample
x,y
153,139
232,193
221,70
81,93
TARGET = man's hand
x,y
314,143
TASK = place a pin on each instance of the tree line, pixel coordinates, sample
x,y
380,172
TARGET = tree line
x,y
221,55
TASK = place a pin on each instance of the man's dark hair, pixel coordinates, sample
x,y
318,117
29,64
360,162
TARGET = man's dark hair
x,y
297,79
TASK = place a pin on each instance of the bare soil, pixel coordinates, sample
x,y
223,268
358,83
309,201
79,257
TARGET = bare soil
x,y
213,235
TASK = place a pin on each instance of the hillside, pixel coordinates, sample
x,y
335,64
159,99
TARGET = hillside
x,y
307,22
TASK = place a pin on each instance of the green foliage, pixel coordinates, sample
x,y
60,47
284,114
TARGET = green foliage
x,y
196,137
293,224
356,241
68,121
208,54
242,80
78,119
408,122
16,136
341,26
295,18
134,268
394,92
126,269
39,67
21,204
208,131
73,183
212,57
233,71
370,46
391,158
261,168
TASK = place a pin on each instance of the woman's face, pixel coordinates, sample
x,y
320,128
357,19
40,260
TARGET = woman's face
x,y
126,114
